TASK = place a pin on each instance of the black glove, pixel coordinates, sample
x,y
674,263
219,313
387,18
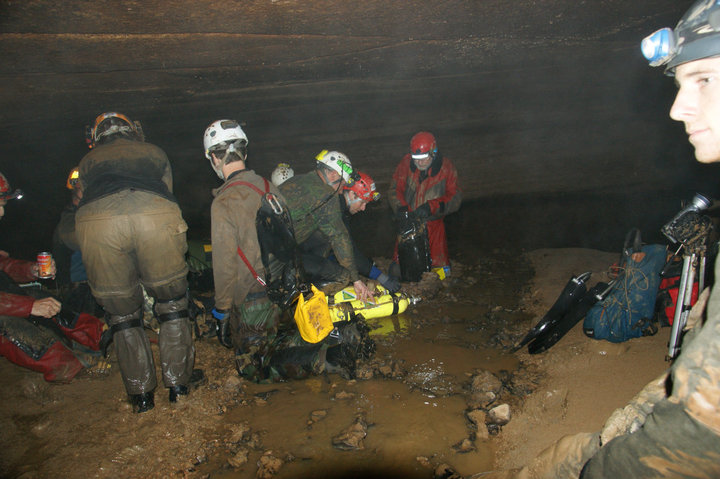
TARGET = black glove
x,y
391,283
222,327
422,212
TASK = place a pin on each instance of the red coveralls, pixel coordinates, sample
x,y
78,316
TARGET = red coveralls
x,y
437,186
57,362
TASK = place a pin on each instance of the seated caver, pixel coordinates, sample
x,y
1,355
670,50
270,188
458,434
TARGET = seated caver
x,y
31,334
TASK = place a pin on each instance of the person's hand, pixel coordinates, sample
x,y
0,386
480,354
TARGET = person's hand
x,y
422,212
4,254
362,292
46,307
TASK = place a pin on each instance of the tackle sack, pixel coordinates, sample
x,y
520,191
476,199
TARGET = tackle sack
x,y
628,310
666,301
312,316
413,249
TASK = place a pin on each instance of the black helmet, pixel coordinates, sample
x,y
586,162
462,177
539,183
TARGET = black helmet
x,y
696,36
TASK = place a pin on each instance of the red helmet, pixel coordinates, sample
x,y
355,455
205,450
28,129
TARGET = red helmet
x,y
422,145
364,188
6,193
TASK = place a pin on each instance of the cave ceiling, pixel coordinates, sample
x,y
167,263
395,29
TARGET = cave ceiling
x,y
525,96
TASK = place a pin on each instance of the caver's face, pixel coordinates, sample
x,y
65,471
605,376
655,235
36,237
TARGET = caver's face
x,y
355,204
423,164
697,105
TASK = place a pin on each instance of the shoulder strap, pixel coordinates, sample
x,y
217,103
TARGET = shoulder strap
x,y
239,250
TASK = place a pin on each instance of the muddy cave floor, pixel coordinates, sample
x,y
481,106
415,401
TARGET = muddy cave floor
x,y
411,399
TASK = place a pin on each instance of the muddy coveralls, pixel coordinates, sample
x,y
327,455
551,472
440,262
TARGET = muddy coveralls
x,y
253,318
438,187
131,232
315,206
680,438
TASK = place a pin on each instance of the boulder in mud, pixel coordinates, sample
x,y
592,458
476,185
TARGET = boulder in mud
x,y
351,439
268,465
499,415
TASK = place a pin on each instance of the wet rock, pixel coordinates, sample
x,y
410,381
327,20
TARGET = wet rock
x,y
255,441
364,372
477,417
268,465
351,439
424,462
343,395
499,415
233,384
317,415
466,445
485,381
481,400
237,432
446,471
240,458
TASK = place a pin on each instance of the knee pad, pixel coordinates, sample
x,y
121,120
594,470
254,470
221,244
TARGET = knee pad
x,y
118,322
171,309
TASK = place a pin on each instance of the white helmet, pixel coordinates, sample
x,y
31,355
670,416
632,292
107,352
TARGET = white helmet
x,y
281,174
336,161
224,135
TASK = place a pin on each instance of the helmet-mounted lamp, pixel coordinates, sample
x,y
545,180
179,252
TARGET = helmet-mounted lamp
x,y
659,47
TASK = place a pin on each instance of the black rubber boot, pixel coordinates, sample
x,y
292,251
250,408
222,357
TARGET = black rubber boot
x,y
197,379
176,391
142,402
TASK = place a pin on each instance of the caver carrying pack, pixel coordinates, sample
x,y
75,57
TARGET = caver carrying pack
x,y
628,310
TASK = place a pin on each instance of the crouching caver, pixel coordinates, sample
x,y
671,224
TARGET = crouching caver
x,y
131,232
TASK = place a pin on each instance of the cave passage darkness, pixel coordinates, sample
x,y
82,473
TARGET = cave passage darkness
x,y
557,126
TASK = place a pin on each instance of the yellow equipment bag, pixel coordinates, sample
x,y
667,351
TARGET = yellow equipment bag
x,y
312,316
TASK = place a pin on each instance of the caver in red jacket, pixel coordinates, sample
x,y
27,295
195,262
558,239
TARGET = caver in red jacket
x,y
438,187
32,345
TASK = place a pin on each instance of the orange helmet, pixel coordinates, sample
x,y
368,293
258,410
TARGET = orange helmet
x,y
364,188
422,145
112,123
73,178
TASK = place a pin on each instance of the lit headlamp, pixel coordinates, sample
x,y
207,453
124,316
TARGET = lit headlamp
x,y
659,47
14,195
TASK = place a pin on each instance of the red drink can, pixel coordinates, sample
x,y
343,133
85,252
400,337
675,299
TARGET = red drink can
x,y
44,261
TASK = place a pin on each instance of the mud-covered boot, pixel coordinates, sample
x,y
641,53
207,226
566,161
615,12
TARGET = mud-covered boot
x,y
197,379
142,402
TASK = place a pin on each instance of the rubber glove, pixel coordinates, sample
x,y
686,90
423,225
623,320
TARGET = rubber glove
x,y
222,327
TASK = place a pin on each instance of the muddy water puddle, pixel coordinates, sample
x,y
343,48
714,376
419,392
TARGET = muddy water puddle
x,y
413,400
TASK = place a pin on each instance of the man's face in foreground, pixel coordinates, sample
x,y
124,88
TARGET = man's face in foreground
x,y
697,105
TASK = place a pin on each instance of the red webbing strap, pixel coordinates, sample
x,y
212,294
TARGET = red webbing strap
x,y
240,251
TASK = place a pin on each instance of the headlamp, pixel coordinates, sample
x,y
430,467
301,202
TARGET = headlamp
x,y
15,195
659,47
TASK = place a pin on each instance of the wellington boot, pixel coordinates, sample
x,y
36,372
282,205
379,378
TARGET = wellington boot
x,y
197,379
142,402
